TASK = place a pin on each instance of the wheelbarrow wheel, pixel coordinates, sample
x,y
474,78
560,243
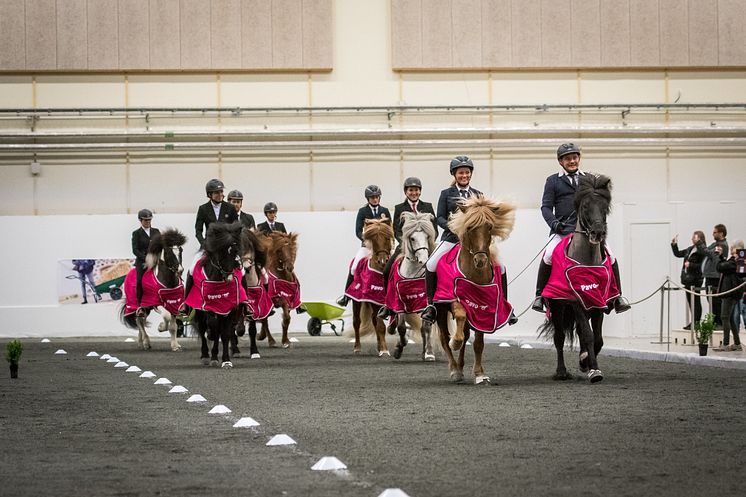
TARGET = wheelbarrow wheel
x,y
314,327
115,293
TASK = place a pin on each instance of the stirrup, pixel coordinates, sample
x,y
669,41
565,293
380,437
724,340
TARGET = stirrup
x,y
429,313
621,305
343,301
538,304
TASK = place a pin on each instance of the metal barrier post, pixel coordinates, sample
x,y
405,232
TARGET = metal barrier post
x,y
668,335
664,289
693,314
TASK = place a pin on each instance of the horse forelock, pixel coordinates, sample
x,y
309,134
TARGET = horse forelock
x,y
377,230
220,237
592,186
480,211
282,243
173,238
249,241
411,223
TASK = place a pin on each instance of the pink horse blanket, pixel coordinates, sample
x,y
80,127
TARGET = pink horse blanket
x,y
487,309
405,294
220,297
367,284
258,301
592,286
154,293
284,289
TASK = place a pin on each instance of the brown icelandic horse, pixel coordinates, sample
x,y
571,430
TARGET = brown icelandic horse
x,y
253,260
478,221
587,249
281,250
378,237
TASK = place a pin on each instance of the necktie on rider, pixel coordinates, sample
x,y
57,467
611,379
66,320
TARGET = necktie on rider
x,y
375,211
414,207
464,193
574,179
271,226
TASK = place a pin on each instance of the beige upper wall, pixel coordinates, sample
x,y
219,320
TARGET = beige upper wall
x,y
550,34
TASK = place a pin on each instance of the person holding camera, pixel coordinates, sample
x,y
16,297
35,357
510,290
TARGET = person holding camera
x,y
710,270
730,280
691,271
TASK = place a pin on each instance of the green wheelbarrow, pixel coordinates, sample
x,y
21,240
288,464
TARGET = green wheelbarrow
x,y
322,313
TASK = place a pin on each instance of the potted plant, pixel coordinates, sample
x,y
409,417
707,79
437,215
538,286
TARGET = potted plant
x,y
703,331
13,353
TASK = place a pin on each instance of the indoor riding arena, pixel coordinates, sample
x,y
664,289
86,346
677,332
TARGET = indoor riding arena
x,y
297,247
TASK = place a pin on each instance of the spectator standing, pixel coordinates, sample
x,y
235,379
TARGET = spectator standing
x,y
729,281
711,274
691,271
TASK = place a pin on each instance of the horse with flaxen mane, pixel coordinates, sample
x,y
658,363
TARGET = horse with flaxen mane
x,y
162,288
406,294
258,304
582,281
472,284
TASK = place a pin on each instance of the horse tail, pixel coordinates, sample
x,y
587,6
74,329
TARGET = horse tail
x,y
567,320
366,326
128,320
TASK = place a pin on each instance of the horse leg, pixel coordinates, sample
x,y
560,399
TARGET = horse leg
x,y
462,351
427,341
459,314
383,348
226,337
444,334
235,351
356,322
585,336
478,344
285,325
597,321
266,333
252,338
402,329
143,337
199,324
172,329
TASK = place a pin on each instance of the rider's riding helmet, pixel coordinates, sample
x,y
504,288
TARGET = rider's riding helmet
x,y
567,148
214,185
235,194
270,207
412,181
372,191
145,214
461,161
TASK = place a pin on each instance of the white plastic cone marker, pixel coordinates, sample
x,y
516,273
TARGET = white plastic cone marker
x,y
219,409
105,357
409,340
328,463
526,346
113,359
504,344
133,369
121,364
196,398
148,374
130,339
393,492
45,340
178,389
352,340
162,381
60,352
91,354
281,439
245,423
468,343
294,340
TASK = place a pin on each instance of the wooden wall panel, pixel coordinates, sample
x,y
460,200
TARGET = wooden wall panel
x,y
644,33
317,34
466,17
72,34
615,33
225,34
165,40
12,35
195,33
586,33
41,34
496,33
134,34
256,33
556,26
287,38
731,32
437,33
103,35
674,32
526,27
703,24
406,33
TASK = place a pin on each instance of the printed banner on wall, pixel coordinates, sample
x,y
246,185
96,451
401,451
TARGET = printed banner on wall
x,y
90,281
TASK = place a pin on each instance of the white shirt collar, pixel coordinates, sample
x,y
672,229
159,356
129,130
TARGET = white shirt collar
x,y
147,231
564,173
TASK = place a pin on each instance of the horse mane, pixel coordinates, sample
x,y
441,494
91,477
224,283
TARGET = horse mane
x,y
594,184
220,236
170,237
274,241
478,211
249,238
411,222
377,228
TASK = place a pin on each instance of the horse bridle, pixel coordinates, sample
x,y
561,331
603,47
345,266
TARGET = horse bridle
x,y
174,270
225,274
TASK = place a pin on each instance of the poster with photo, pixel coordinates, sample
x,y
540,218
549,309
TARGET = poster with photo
x,y
91,281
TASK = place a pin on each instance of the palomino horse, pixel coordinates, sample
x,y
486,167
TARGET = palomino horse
x,y
283,285
216,293
471,283
259,304
582,280
406,293
366,290
162,288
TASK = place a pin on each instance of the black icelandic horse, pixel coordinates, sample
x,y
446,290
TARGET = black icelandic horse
x,y
587,247
216,277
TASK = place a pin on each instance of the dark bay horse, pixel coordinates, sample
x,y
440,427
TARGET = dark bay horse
x,y
162,288
281,250
477,223
216,293
585,250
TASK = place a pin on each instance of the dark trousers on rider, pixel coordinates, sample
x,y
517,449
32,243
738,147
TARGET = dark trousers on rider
x,y
140,268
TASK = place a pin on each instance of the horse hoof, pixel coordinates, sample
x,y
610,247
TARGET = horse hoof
x,y
227,365
285,345
236,353
429,357
272,345
261,336
255,355
482,380
214,363
455,345
595,375
562,376
205,361
382,353
356,351
176,349
457,376
397,353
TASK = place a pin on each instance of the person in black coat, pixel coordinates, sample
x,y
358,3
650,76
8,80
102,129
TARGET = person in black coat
x,y
216,209
271,225
140,242
730,280
558,210
236,200
691,271
372,210
412,190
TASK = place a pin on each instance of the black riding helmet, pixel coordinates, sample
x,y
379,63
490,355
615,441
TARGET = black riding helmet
x,y
214,185
372,191
235,194
412,181
270,207
145,214
461,161
566,149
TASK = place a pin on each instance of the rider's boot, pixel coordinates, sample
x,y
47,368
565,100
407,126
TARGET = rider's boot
x,y
621,304
545,271
513,319
344,299
431,282
384,312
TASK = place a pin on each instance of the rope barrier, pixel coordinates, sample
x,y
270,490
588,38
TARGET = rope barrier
x,y
530,262
707,294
